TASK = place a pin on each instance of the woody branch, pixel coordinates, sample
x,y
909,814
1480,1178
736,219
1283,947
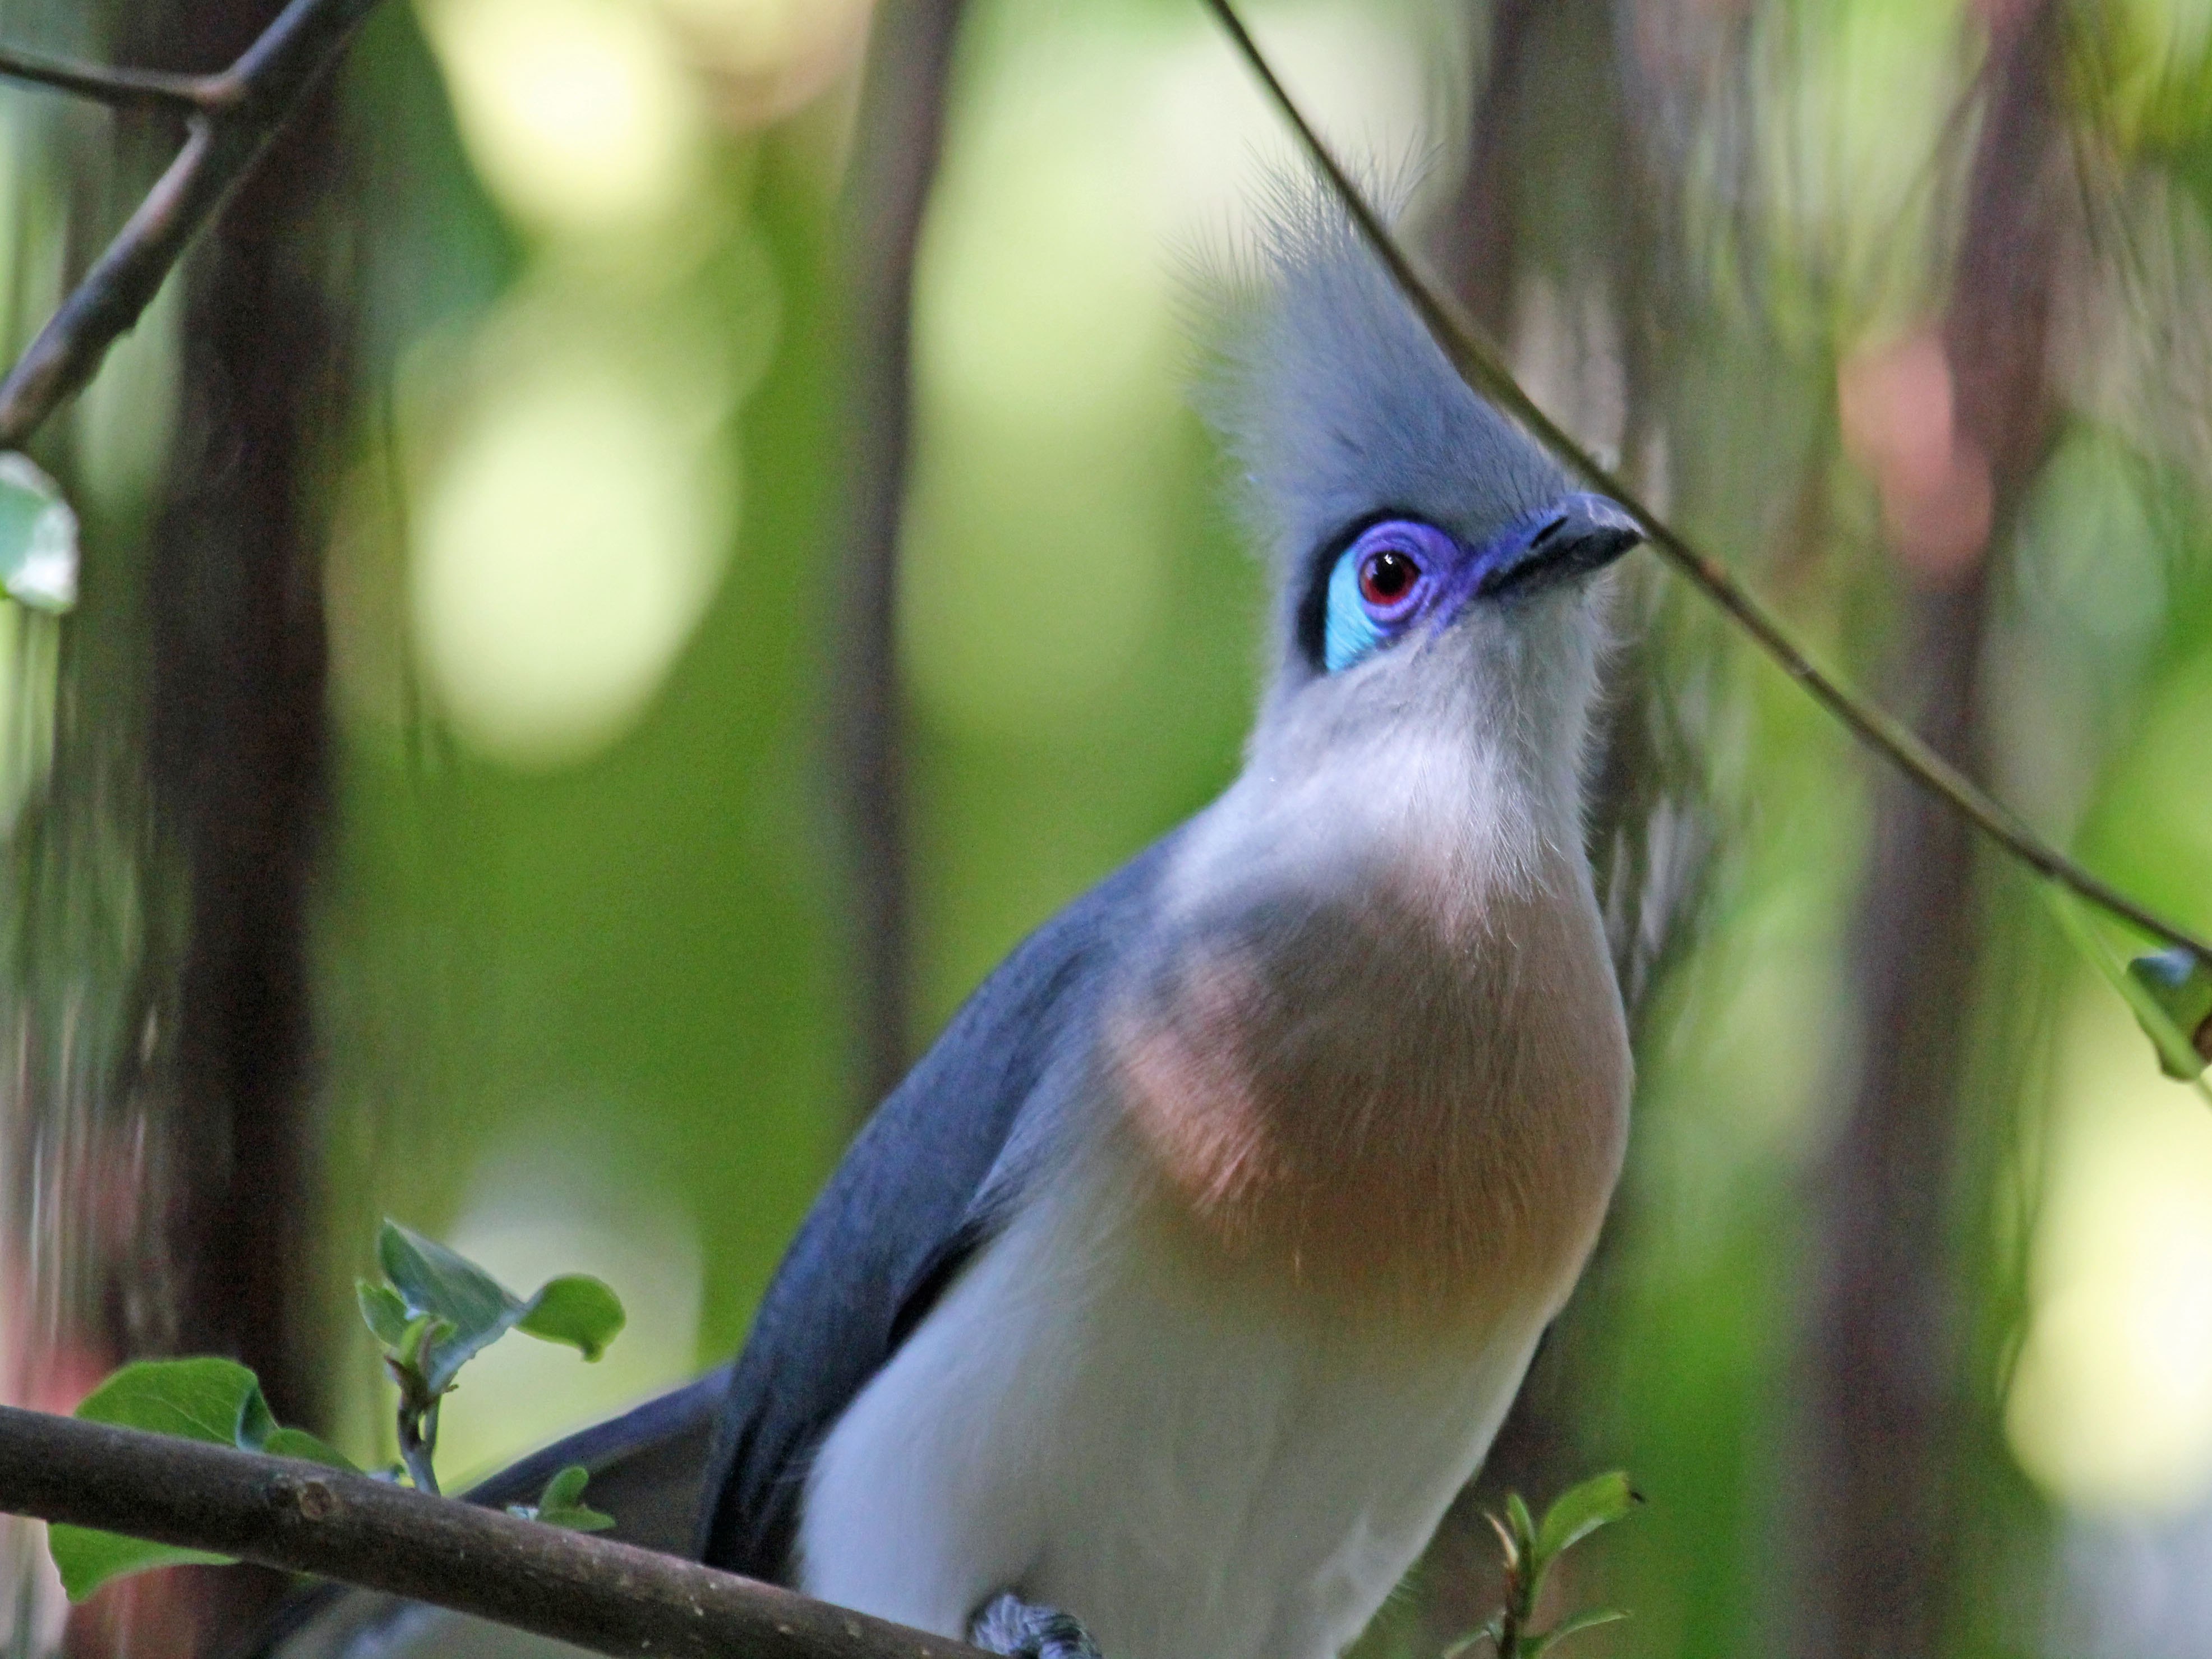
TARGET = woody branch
x,y
229,118
607,1597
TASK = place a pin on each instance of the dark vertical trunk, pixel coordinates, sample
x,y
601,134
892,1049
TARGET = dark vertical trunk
x,y
236,734
893,161
1886,1324
231,783
1875,1529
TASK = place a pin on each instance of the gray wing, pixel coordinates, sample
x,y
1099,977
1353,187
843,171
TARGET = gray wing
x,y
904,1212
646,1472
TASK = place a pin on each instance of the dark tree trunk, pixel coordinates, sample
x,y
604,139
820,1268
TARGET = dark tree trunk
x,y
1874,1529
217,1080
894,161
237,732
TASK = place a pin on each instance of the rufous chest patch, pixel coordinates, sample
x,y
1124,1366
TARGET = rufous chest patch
x,y
1355,1103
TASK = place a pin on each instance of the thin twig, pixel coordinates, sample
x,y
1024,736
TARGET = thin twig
x,y
127,88
231,119
1480,366
607,1597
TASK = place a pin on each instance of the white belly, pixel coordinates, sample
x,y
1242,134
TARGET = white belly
x,y
1085,1422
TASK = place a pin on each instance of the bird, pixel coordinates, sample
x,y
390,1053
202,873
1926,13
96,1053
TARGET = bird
x,y
1165,1306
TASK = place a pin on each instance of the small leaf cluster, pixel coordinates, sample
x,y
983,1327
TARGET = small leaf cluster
x,y
218,1401
1532,1550
435,1311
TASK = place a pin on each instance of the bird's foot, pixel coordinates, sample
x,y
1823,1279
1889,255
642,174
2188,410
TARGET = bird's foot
x,y
1020,1629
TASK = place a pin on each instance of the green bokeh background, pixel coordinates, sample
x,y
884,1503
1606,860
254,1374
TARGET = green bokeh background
x,y
585,933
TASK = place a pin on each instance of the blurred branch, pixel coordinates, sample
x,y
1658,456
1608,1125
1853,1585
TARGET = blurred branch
x,y
894,163
230,118
1477,363
1480,234
125,88
606,1597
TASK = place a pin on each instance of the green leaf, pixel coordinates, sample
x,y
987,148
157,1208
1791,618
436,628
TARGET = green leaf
x,y
1493,1632
196,1399
471,1309
214,1401
2181,986
441,1283
566,1489
298,1442
415,1341
384,1311
87,1559
1524,1528
1576,1627
2172,1043
433,1280
577,1310
37,537
562,1504
1581,1510
1507,1548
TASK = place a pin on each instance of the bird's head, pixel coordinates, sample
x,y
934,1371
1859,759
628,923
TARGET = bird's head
x,y
1433,565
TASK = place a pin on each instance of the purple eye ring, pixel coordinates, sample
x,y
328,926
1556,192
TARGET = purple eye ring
x,y
1389,575
1395,564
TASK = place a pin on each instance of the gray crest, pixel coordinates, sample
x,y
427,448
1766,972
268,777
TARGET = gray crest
x,y
1337,405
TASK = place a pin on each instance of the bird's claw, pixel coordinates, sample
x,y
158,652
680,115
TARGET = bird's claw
x,y
1020,1629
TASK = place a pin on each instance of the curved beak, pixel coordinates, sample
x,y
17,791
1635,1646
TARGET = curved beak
x,y
1575,535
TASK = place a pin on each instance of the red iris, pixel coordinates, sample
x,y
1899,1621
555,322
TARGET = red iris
x,y
1385,576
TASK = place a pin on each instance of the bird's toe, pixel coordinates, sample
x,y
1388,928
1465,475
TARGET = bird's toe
x,y
1021,1630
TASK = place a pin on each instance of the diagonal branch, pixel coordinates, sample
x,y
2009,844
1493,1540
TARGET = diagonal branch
x,y
606,1597
1480,367
231,117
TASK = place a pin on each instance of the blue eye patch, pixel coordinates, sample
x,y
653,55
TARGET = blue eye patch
x,y
1348,633
1391,575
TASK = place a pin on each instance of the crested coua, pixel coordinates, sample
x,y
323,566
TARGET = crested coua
x,y
1170,1301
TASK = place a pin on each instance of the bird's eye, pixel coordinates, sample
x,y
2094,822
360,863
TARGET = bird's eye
x,y
1379,585
1385,577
